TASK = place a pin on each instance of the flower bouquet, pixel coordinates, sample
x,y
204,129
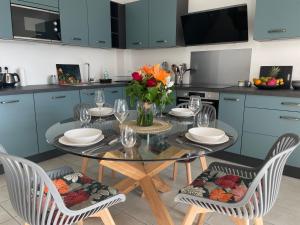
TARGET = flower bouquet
x,y
150,85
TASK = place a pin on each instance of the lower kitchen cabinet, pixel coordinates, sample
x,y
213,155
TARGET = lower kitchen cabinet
x,y
87,96
52,107
111,94
231,111
18,128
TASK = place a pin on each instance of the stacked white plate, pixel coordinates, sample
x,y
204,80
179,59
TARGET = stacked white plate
x,y
81,137
207,135
181,112
100,112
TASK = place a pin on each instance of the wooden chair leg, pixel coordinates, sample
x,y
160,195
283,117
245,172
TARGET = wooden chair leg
x,y
100,173
203,162
190,215
258,221
106,217
84,165
188,172
78,223
113,174
175,171
201,219
239,221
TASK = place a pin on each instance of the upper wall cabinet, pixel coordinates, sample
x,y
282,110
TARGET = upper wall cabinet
x,y
43,4
137,24
99,23
5,18
277,19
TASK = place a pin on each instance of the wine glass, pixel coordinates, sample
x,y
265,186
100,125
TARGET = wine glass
x,y
121,110
99,100
128,137
202,119
195,105
85,116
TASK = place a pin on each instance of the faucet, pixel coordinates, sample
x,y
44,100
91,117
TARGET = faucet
x,y
89,74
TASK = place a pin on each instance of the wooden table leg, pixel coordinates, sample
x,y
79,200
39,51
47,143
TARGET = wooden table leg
x,y
126,185
160,185
203,162
158,208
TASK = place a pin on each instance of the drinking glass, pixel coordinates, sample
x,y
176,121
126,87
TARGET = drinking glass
x,y
85,116
121,110
202,119
162,108
99,100
128,137
195,105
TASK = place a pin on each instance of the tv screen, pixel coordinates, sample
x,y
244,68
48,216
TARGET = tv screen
x,y
216,26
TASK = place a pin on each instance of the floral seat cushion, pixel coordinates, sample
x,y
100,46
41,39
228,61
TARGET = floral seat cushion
x,y
218,186
79,191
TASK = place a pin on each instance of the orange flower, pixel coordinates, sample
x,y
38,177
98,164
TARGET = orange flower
x,y
160,74
220,195
61,186
148,70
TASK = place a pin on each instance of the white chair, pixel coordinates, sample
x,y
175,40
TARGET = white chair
x,y
37,200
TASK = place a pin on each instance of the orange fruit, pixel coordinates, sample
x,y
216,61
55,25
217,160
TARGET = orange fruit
x,y
257,82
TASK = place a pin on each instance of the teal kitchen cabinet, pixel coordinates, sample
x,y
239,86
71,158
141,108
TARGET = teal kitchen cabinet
x,y
74,22
231,111
113,93
99,23
53,107
165,28
277,19
18,127
87,96
42,4
5,18
137,24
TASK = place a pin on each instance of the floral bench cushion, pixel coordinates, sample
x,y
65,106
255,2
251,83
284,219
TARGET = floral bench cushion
x,y
79,191
218,186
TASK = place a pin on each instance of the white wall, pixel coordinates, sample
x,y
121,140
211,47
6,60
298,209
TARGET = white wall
x,y
39,60
284,52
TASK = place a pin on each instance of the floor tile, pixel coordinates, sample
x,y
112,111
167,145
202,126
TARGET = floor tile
x,y
4,216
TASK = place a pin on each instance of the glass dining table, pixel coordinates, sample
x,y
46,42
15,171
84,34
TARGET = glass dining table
x,y
153,152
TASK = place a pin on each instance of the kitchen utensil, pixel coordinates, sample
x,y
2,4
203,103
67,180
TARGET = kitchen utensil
x,y
99,100
182,112
206,134
82,135
121,110
296,84
244,83
128,137
202,119
218,142
10,79
104,111
53,79
63,140
85,115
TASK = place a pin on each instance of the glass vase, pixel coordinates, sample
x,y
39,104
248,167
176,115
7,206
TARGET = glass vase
x,y
144,114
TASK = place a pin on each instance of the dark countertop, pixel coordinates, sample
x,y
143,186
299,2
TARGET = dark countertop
x,y
244,90
52,88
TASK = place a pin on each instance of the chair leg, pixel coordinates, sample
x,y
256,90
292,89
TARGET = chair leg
x,y
175,171
113,174
84,165
258,221
188,172
201,219
100,173
239,221
80,222
106,217
190,215
203,162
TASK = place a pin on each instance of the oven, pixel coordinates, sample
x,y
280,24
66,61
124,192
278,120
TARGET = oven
x,y
207,97
35,24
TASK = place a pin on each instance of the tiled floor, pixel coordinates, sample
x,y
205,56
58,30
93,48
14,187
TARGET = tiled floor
x,y
135,210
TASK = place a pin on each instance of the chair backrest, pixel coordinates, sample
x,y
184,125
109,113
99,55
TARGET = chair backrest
x,y
32,193
264,189
206,108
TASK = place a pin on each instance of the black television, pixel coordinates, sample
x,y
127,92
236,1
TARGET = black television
x,y
216,26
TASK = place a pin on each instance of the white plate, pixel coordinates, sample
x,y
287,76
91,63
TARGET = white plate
x,y
83,135
182,112
206,134
177,115
222,141
105,111
63,140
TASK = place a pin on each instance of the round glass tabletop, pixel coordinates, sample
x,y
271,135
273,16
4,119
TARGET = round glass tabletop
x,y
169,144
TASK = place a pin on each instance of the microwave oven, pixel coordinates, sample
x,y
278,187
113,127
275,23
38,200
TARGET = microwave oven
x,y
35,24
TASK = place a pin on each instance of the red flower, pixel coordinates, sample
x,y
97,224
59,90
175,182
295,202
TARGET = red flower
x,y
136,76
228,181
151,82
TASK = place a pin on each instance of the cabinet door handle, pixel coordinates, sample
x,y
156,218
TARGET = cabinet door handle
x,y
58,97
232,99
291,104
101,42
114,92
161,41
77,39
289,118
90,94
137,43
279,30
10,102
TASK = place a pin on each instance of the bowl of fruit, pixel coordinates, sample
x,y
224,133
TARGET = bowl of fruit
x,y
268,83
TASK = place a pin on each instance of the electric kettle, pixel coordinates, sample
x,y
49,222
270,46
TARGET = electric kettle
x,y
10,79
